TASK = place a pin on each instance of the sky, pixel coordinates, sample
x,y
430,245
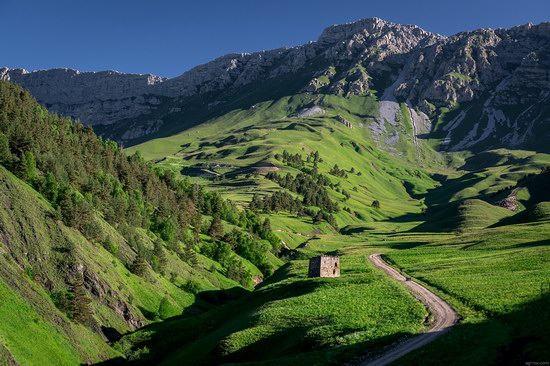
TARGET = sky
x,y
169,37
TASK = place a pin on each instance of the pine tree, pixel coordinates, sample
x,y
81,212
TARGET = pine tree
x,y
81,310
51,188
318,218
30,167
160,260
256,203
216,228
5,155
266,226
139,266
190,255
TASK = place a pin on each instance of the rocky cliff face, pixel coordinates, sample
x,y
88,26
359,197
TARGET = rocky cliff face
x,y
94,97
500,70
109,96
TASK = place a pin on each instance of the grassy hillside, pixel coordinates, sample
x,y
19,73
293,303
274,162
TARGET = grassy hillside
x,y
440,218
493,277
499,281
36,248
227,153
467,215
95,244
111,255
308,320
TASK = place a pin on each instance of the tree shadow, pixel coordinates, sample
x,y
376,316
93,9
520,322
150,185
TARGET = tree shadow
x,y
533,244
513,338
223,311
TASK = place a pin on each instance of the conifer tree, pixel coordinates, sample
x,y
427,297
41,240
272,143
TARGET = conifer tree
x,y
160,260
216,228
139,266
81,310
5,155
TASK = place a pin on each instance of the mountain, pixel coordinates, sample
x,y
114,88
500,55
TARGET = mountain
x,y
467,91
191,244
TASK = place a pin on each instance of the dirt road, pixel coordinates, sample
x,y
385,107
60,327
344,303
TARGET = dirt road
x,y
444,314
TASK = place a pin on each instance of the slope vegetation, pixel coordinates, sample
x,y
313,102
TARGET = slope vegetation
x,y
95,243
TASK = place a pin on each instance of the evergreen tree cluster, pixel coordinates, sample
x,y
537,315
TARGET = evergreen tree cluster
x,y
80,173
311,187
293,160
337,172
276,202
222,253
284,201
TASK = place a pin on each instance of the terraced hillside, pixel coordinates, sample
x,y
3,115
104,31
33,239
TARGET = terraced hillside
x,y
462,223
233,154
191,245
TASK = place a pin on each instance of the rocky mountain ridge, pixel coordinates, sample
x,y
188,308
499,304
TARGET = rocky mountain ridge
x,y
499,69
107,96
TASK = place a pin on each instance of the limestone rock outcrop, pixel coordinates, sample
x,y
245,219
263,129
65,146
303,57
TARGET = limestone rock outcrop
x,y
499,68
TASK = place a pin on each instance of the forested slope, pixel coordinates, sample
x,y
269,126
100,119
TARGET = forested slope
x,y
94,243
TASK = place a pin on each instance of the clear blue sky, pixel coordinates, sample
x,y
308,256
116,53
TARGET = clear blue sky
x,y
168,37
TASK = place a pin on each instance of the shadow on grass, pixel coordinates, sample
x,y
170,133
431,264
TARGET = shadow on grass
x,y
234,311
354,229
514,338
533,244
300,352
407,245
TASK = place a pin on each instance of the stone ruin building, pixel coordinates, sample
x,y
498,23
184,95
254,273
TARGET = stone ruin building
x,y
324,266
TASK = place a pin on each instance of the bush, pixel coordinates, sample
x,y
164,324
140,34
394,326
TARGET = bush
x,y
91,230
168,309
191,286
237,272
110,246
139,267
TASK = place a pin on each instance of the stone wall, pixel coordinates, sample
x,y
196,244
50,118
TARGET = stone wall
x,y
324,266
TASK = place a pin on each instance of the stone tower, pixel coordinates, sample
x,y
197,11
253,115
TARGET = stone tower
x,y
324,266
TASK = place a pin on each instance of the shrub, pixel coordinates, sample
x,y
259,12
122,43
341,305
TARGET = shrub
x,y
191,286
168,309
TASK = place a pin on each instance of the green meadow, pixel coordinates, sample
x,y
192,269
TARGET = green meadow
x,y
439,221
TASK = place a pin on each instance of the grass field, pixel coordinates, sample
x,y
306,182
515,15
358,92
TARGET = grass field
x,y
308,319
492,277
438,222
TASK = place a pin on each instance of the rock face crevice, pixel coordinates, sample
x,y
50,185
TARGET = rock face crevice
x,y
503,69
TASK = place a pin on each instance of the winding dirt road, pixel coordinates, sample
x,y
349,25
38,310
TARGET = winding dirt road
x,y
444,314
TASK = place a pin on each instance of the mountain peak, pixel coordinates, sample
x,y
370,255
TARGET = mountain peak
x,y
340,32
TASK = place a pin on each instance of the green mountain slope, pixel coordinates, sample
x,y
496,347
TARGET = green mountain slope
x,y
232,154
439,216
95,244
191,247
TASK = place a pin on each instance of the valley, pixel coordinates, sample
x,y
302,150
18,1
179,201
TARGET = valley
x,y
177,229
